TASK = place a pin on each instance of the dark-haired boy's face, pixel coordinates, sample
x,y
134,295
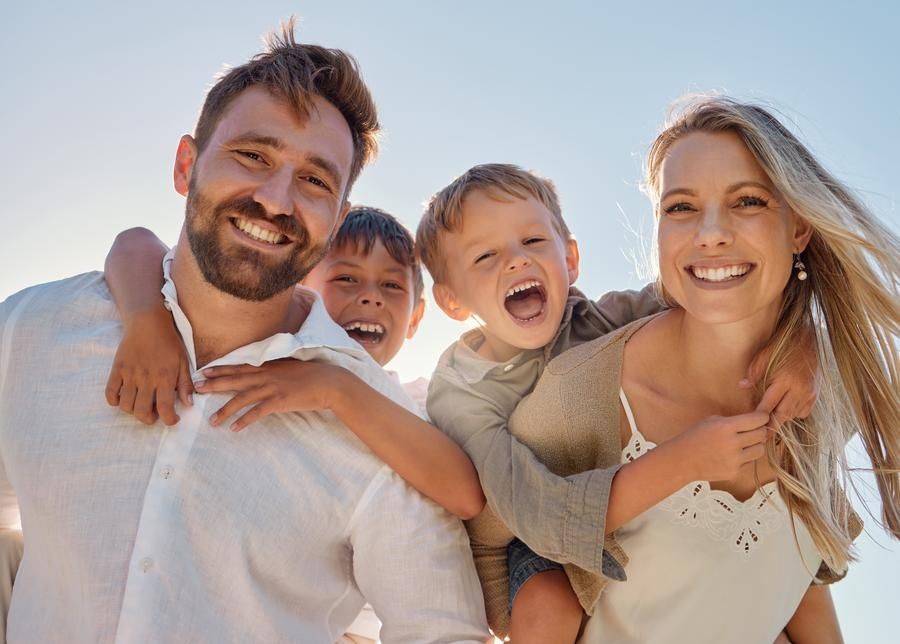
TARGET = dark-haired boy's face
x,y
371,296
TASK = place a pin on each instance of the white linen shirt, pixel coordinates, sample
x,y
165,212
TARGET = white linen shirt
x,y
197,534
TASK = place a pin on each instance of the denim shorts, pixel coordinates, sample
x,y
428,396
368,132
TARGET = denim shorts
x,y
523,563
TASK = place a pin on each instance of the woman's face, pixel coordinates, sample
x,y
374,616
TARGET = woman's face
x,y
726,238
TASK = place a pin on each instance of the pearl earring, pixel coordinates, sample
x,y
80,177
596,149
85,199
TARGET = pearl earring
x,y
801,268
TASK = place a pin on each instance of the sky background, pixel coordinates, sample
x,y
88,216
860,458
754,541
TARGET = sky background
x,y
95,96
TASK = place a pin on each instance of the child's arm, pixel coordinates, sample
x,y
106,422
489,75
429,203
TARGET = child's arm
x,y
815,621
419,452
150,364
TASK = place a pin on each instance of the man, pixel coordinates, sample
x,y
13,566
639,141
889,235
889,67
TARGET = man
x,y
198,534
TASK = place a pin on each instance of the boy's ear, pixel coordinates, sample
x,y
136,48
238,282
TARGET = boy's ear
x,y
573,258
449,304
415,318
185,158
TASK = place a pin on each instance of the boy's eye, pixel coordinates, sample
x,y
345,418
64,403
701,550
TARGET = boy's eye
x,y
393,285
749,201
349,279
533,240
484,256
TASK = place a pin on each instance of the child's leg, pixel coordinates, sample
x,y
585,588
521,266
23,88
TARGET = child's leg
x,y
543,606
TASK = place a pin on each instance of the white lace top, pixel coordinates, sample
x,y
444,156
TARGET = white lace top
x,y
705,567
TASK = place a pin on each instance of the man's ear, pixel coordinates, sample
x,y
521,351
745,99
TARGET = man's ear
x,y
415,318
448,303
185,158
802,233
342,215
573,259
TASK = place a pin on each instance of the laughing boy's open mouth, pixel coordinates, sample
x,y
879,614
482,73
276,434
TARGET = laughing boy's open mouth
x,y
525,301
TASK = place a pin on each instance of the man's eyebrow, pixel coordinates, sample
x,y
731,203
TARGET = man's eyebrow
x,y
677,191
255,138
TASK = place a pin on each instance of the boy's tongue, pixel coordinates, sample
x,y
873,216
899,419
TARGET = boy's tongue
x,y
525,305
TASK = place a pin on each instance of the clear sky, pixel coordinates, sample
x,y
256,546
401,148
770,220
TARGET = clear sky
x,y
96,94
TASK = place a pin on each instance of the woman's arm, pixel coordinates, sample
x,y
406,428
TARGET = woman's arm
x,y
419,452
150,364
815,621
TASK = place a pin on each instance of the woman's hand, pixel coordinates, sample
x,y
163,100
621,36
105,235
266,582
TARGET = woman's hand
x,y
277,386
150,367
793,389
716,448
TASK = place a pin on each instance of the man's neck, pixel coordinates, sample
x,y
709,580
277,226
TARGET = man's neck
x,y
222,323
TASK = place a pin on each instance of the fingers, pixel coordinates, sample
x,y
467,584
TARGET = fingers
x,y
261,410
747,422
772,397
753,453
240,382
185,386
241,400
113,385
143,406
753,437
231,370
165,405
757,369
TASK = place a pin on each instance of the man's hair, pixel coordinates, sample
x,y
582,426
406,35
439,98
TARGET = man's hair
x,y
295,73
364,225
444,213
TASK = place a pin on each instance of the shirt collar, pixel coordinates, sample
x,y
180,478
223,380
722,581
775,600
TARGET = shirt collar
x,y
318,330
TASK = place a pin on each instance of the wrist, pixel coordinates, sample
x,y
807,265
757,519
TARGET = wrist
x,y
153,313
340,390
681,460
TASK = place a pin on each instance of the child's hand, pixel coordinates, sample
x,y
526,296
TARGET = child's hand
x,y
718,447
277,386
793,389
150,366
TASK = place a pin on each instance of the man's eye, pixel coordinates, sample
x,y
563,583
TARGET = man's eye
x,y
316,181
484,256
752,202
253,156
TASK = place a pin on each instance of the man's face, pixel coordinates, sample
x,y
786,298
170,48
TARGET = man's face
x,y
265,195
372,296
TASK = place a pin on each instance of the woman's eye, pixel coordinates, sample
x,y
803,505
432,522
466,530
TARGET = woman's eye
x,y
752,202
679,207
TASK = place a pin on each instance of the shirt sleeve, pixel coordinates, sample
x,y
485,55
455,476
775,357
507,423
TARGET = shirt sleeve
x,y
10,310
412,563
619,308
561,518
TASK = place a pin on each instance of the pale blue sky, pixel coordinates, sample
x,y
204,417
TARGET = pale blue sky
x,y
96,94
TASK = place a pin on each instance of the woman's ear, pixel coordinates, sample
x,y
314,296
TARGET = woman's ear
x,y
447,301
803,231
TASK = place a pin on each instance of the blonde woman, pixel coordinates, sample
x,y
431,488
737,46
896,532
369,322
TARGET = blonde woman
x,y
755,242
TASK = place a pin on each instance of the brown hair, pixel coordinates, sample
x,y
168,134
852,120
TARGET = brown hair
x,y
444,212
295,73
850,300
365,225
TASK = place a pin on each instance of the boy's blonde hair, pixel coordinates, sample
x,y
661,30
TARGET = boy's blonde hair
x,y
444,213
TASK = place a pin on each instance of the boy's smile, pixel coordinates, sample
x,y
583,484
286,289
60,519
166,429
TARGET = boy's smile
x,y
371,296
510,267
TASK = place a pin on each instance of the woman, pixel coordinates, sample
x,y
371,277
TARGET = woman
x,y
755,242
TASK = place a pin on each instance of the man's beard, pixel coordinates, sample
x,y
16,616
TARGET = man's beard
x,y
238,270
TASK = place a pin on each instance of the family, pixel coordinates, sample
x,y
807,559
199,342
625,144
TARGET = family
x,y
201,444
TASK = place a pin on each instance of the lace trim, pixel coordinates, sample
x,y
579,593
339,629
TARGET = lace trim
x,y
716,512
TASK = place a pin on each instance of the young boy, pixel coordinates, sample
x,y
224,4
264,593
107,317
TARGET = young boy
x,y
497,246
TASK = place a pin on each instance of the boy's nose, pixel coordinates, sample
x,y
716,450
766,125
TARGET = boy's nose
x,y
517,262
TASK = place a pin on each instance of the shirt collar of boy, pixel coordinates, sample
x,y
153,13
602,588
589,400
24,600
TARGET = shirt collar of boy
x,y
317,331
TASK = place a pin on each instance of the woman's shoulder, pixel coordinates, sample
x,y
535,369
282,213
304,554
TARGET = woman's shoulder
x,y
607,349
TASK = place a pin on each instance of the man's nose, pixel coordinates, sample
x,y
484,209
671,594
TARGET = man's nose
x,y
276,193
714,229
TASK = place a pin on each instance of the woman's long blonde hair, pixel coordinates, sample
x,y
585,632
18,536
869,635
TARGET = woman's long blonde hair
x,y
851,301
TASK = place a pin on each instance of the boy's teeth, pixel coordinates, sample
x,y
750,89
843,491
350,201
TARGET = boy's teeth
x,y
721,273
521,287
363,326
258,233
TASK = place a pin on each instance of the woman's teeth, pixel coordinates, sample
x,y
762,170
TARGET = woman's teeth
x,y
257,233
720,273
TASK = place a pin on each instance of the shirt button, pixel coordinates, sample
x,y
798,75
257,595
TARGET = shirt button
x,y
146,564
166,472
508,368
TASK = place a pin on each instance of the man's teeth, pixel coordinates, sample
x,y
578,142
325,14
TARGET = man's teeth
x,y
364,326
721,273
524,286
258,233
